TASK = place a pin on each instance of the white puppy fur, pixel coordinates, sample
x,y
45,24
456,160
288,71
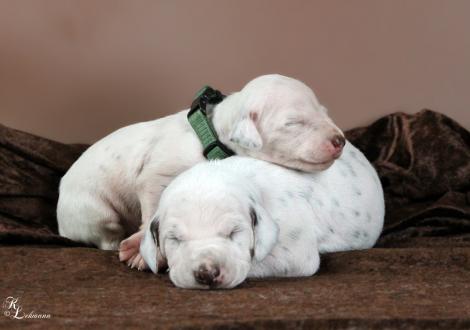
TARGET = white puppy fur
x,y
115,186
222,221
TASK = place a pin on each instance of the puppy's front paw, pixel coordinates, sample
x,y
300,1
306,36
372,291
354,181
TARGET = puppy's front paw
x,y
137,262
129,251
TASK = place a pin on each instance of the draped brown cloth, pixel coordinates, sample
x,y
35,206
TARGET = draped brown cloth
x,y
417,277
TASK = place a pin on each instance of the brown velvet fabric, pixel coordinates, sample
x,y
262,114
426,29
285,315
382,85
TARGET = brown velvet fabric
x,y
423,161
85,288
418,277
30,171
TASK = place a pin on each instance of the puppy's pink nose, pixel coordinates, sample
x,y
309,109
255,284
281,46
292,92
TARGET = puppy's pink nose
x,y
338,142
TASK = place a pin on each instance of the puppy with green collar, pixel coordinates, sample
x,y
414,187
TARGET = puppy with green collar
x,y
112,191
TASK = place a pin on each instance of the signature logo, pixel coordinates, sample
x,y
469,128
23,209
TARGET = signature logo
x,y
12,309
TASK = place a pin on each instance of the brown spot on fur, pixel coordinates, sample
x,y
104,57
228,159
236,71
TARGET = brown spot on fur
x,y
254,116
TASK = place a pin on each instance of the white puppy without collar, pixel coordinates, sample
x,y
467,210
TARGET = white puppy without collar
x,y
222,221
114,187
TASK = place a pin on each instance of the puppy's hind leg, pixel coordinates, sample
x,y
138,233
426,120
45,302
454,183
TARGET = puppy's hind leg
x,y
89,221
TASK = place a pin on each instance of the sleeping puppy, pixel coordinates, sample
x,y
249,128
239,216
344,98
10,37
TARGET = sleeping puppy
x,y
223,221
115,186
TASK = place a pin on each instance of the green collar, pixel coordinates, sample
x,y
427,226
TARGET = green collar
x,y
205,99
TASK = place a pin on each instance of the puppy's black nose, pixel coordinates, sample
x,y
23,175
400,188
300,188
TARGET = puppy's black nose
x,y
206,275
338,141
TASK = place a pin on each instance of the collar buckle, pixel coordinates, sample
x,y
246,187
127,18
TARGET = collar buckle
x,y
206,95
197,117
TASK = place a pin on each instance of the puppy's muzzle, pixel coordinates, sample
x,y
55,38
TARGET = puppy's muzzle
x,y
207,274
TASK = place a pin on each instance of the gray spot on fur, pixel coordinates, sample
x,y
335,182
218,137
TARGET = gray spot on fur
x,y
351,170
365,234
357,191
295,234
369,217
357,213
331,230
348,166
305,195
282,201
335,202
356,234
285,249
153,142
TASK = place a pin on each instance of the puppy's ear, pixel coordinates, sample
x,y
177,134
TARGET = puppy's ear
x,y
265,232
245,133
150,246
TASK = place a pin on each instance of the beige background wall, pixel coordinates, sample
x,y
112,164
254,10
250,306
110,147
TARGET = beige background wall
x,y
76,70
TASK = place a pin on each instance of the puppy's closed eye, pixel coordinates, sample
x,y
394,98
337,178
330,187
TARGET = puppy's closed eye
x,y
233,233
294,123
174,239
